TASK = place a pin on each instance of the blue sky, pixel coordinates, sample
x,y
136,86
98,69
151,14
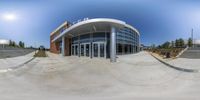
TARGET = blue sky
x,y
157,20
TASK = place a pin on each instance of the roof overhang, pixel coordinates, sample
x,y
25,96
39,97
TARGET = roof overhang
x,y
93,25
62,25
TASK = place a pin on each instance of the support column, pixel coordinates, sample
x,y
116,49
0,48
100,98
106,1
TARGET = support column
x,y
79,46
113,44
63,46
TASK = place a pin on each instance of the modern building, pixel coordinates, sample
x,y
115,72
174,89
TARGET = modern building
x,y
99,37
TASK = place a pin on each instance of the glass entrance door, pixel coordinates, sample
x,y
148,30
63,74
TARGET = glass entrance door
x,y
72,51
76,50
95,50
82,49
99,49
87,47
102,49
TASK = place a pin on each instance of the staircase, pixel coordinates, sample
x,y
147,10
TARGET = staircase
x,y
193,53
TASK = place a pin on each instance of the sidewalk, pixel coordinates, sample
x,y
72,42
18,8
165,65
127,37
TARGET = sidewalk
x,y
180,63
186,63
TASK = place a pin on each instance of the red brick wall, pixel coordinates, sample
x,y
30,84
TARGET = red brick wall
x,y
54,46
67,46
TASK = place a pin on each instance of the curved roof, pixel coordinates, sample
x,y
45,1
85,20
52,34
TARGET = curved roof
x,y
97,24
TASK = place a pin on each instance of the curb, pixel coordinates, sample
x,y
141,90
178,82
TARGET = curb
x,y
16,67
174,67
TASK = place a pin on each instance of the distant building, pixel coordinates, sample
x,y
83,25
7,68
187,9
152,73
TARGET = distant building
x,y
4,42
99,37
196,43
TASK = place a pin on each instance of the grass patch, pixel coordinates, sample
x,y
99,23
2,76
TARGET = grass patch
x,y
40,53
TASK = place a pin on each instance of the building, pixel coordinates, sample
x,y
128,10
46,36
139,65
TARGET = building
x,y
99,37
196,43
3,43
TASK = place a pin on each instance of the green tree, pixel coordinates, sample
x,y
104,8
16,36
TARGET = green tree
x,y
166,45
13,44
190,42
21,44
182,43
10,43
172,44
153,46
177,43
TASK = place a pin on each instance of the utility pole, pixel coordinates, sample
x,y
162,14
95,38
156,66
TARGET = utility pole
x,y
192,38
35,48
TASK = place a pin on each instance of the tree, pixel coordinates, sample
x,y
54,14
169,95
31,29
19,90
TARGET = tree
x,y
172,44
153,46
13,44
166,45
159,46
10,43
177,43
21,44
182,43
190,42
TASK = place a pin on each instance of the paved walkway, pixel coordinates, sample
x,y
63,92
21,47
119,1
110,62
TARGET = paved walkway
x,y
136,76
186,63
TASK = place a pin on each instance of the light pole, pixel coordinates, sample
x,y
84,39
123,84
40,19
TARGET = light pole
x,y
192,38
35,48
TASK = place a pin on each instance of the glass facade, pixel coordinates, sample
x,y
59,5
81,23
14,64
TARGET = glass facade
x,y
91,45
127,41
98,44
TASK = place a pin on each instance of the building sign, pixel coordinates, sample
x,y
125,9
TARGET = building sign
x,y
80,20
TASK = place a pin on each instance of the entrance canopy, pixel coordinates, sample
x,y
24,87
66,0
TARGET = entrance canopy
x,y
93,25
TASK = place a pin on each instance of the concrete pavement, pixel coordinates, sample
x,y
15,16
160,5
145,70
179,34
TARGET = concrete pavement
x,y
136,76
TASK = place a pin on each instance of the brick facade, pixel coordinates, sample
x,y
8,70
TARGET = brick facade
x,y
55,46
67,46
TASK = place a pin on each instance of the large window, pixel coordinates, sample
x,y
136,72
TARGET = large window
x,y
127,41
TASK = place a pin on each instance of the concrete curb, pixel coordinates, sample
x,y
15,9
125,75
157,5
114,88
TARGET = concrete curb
x,y
174,67
16,67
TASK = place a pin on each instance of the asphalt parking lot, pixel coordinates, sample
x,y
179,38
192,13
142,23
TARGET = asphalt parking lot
x,y
9,53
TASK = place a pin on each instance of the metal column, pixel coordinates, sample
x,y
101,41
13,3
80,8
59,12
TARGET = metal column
x,y
113,44
63,46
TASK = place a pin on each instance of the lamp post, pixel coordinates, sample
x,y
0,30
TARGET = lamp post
x,y
192,38
35,48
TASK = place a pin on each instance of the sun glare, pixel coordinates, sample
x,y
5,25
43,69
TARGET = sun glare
x,y
9,17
